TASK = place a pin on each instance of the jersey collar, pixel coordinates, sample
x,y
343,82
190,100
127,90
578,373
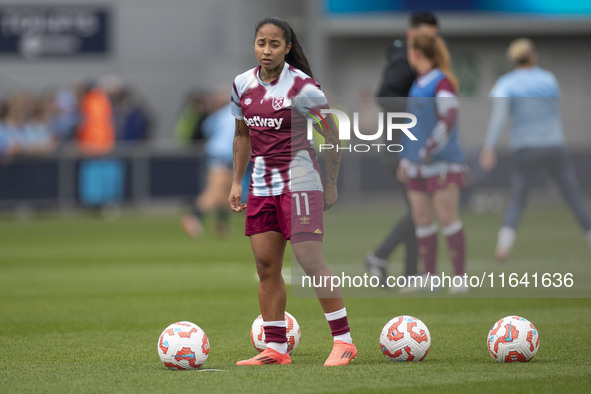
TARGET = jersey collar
x,y
276,80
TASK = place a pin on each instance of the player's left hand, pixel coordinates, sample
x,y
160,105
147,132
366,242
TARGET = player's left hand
x,y
331,196
425,156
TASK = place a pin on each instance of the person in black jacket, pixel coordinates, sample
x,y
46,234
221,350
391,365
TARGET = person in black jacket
x,y
391,96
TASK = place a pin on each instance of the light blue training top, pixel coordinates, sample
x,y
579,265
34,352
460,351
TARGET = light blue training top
x,y
219,128
530,97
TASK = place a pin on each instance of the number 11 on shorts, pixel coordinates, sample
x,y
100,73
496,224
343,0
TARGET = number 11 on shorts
x,y
298,204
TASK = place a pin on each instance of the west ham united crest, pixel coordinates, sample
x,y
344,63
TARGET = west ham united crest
x,y
277,103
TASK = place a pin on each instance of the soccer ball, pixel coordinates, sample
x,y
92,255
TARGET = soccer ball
x,y
257,333
183,345
405,338
513,338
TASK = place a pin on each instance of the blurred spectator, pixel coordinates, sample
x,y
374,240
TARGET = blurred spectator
x,y
96,133
18,109
133,121
39,134
7,144
101,180
131,117
94,116
66,116
26,125
188,125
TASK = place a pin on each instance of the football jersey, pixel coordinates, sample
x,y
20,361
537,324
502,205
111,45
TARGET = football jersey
x,y
530,97
276,115
427,95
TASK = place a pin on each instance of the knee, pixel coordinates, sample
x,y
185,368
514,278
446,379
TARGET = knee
x,y
313,270
267,269
310,263
447,219
421,219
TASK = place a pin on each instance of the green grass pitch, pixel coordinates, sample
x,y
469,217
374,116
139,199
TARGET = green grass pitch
x,y
83,301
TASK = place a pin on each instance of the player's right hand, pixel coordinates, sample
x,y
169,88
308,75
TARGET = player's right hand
x,y
488,159
235,198
401,173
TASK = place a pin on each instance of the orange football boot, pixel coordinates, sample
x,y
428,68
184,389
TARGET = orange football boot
x,y
342,354
268,356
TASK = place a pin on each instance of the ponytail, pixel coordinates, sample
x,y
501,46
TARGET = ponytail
x,y
434,49
296,56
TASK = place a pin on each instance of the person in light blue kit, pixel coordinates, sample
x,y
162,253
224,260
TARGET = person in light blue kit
x,y
218,129
530,97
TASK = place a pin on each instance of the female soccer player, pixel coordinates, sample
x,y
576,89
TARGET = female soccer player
x,y
530,97
286,197
433,166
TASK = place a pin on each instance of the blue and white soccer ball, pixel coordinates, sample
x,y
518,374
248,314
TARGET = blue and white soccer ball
x,y
513,338
183,345
405,338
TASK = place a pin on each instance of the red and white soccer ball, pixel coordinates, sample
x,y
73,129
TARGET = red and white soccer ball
x,y
405,338
513,338
183,345
257,333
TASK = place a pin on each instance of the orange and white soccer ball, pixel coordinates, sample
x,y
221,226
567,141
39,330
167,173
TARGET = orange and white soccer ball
x,y
513,338
183,345
405,338
257,333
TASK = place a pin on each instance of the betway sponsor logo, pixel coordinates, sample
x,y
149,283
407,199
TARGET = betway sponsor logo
x,y
257,121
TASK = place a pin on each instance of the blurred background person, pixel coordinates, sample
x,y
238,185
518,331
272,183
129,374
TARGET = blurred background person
x,y
432,167
131,118
66,116
136,119
101,179
26,125
40,137
17,111
396,82
218,129
8,145
95,134
187,128
530,97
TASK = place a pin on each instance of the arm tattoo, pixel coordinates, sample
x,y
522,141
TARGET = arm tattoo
x,y
235,151
333,156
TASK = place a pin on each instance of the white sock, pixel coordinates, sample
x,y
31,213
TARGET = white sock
x,y
426,231
276,323
278,346
346,337
506,238
336,314
452,228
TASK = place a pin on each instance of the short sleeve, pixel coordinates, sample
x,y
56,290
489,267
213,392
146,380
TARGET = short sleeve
x,y
310,98
236,107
